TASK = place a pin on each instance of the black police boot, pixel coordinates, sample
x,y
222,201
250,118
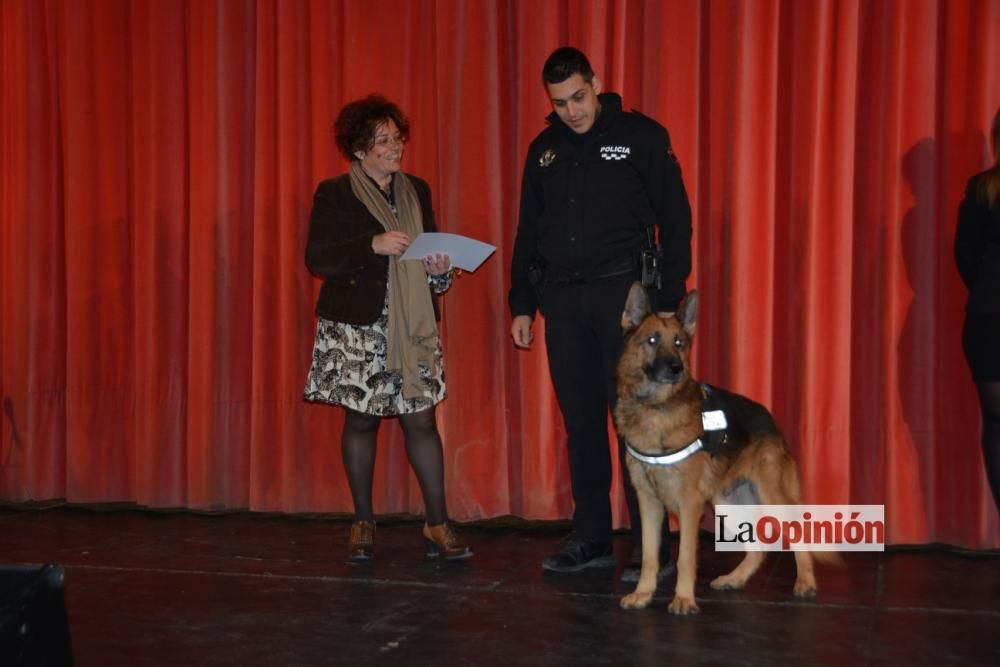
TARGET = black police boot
x,y
634,567
579,554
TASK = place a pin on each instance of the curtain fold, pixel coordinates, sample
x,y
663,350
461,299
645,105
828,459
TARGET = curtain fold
x,y
158,162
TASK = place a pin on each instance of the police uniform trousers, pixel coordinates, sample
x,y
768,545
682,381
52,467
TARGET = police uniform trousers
x,y
583,336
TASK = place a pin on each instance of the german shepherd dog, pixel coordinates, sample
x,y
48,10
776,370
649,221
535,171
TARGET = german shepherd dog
x,y
659,412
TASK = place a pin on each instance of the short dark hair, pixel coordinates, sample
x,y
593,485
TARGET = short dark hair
x,y
564,63
357,122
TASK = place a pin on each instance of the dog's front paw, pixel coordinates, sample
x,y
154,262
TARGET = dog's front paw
x,y
683,606
636,600
804,589
727,583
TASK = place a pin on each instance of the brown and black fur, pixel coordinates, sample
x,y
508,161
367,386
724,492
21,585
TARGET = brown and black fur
x,y
659,411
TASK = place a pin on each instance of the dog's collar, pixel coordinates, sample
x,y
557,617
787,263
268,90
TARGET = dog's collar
x,y
714,424
666,459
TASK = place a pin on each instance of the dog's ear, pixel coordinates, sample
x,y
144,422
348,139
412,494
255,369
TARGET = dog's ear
x,y
687,312
636,307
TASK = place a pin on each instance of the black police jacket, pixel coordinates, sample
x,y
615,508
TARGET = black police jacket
x,y
586,201
977,249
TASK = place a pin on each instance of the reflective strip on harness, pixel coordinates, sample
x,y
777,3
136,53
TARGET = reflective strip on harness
x,y
666,459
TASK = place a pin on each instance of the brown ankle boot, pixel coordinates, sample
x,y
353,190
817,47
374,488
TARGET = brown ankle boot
x,y
362,546
442,542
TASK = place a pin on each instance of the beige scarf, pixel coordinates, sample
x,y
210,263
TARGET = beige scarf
x,y
413,332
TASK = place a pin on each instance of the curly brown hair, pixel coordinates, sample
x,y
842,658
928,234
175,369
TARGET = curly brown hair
x,y
357,122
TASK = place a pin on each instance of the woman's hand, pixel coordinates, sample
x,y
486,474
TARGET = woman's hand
x,y
437,264
390,243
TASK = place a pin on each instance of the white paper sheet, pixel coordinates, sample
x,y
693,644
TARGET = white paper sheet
x,y
467,254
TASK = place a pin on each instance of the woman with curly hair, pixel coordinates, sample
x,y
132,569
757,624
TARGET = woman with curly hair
x,y
977,253
377,351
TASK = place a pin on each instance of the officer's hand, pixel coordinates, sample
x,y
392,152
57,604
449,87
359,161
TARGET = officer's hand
x,y
520,331
664,315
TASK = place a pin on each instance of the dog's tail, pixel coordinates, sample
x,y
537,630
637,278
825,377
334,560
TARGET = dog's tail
x,y
790,487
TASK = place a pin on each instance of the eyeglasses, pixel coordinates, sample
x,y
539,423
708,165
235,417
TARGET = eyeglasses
x,y
384,140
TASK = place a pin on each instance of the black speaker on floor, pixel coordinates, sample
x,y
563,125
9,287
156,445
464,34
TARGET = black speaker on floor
x,y
33,627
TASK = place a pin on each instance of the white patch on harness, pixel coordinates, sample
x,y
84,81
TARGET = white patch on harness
x,y
714,420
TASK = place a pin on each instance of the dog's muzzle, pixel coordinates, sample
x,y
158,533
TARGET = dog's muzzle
x,y
665,371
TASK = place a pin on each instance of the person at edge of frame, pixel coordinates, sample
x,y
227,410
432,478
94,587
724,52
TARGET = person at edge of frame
x,y
977,255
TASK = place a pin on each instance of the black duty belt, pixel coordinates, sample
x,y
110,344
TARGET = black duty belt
x,y
557,277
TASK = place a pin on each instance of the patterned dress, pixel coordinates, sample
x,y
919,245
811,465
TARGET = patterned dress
x,y
348,367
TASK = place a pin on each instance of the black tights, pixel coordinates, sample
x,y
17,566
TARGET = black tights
x,y
989,400
423,448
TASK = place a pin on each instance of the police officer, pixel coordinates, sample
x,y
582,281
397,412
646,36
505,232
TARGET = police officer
x,y
600,185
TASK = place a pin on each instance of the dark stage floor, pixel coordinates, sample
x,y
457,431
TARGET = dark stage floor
x,y
147,588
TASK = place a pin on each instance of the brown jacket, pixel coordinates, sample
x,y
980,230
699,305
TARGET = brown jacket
x,y
339,250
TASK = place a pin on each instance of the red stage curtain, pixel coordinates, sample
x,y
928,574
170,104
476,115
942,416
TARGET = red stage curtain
x,y
158,163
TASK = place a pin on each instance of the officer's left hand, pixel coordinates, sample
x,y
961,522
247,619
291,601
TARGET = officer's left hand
x,y
437,264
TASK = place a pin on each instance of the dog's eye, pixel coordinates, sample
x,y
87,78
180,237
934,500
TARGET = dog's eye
x,y
678,343
653,339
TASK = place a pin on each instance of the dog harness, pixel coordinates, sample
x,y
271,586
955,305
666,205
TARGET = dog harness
x,y
712,421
